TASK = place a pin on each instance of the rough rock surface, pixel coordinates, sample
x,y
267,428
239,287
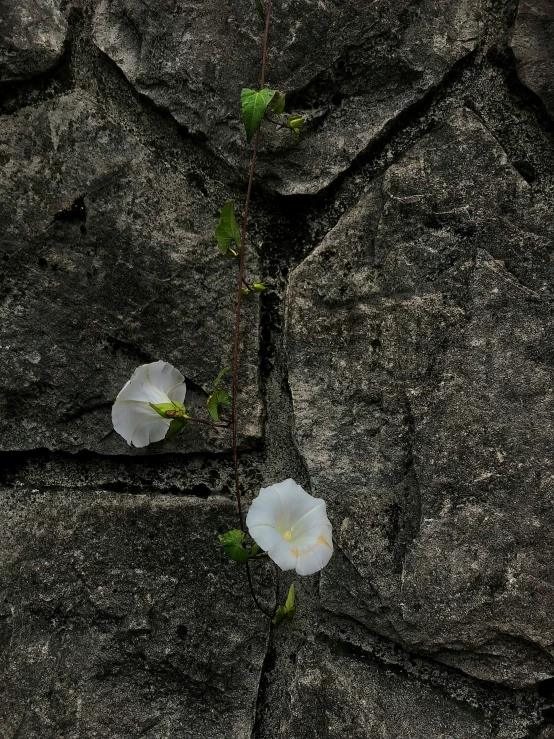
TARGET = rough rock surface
x,y
400,365
533,45
420,365
120,616
108,261
193,58
32,35
344,698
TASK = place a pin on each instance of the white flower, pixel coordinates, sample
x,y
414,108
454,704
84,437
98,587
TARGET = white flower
x,y
292,526
132,415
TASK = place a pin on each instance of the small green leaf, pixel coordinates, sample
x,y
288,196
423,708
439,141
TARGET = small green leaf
x,y
296,122
286,612
216,401
279,104
245,291
227,229
255,550
232,542
259,8
258,287
175,427
220,375
254,106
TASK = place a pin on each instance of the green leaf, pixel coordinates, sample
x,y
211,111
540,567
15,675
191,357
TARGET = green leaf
x,y
259,8
175,427
218,378
245,291
285,613
232,542
279,104
216,401
227,229
296,122
254,106
259,287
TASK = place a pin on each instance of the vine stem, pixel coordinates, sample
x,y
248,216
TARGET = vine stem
x,y
239,305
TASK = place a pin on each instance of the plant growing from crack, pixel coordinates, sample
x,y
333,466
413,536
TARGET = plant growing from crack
x,y
284,522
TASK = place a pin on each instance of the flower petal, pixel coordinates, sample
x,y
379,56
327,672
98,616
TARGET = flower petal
x,y
149,431
316,517
296,502
265,536
168,379
314,552
128,415
265,509
282,555
140,388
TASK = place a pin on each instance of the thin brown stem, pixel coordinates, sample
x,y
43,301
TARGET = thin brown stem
x,y
239,305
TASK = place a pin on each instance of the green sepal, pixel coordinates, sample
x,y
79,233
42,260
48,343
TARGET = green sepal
x,y
255,549
169,410
296,122
175,427
254,106
258,287
285,613
216,401
260,9
227,229
279,104
232,542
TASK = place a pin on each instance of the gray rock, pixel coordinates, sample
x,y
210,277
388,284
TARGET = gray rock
x,y
349,68
334,695
108,262
533,46
32,35
121,616
420,364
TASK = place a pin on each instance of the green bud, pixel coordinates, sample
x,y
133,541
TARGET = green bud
x,y
296,122
258,287
279,105
170,410
286,612
245,291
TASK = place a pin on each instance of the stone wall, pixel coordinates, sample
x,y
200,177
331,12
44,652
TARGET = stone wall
x,y
401,366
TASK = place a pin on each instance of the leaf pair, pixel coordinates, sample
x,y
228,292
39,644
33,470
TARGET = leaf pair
x,y
285,613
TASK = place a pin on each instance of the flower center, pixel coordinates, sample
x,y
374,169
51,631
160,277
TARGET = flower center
x,y
288,535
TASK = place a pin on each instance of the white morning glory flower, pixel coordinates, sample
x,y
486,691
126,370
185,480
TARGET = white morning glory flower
x,y
292,526
132,415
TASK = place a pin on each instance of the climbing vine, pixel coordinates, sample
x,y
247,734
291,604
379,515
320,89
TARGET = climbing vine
x,y
284,522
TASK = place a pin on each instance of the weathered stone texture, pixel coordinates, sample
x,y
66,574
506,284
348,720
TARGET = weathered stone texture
x,y
420,365
108,261
533,45
120,616
32,35
337,696
348,67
